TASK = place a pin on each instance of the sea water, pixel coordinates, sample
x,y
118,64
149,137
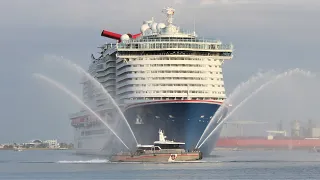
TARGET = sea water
x,y
65,165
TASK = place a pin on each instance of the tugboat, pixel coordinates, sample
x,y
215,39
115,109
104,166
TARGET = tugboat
x,y
161,151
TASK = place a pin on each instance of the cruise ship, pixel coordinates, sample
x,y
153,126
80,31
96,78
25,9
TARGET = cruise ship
x,y
163,77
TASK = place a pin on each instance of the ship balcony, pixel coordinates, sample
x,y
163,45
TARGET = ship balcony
x,y
159,78
208,65
176,62
142,100
158,58
170,69
109,49
173,76
185,45
172,81
196,84
133,56
105,67
107,81
159,89
168,95
175,39
77,114
111,71
172,40
170,77
106,77
159,72
86,113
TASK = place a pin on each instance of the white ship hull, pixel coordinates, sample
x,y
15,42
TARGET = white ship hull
x,y
94,144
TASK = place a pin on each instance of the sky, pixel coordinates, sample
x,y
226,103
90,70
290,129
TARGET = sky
x,y
267,34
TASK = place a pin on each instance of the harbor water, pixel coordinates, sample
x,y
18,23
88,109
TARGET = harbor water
x,y
65,165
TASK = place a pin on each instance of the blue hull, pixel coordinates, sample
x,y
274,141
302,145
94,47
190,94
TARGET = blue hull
x,y
181,121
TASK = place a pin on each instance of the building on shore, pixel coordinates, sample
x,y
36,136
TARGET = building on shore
x,y
42,144
52,144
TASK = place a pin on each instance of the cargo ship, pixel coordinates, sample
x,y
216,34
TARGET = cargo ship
x,y
163,77
301,138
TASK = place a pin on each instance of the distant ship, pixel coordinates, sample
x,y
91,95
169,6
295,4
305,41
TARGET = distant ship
x,y
162,78
301,138
264,142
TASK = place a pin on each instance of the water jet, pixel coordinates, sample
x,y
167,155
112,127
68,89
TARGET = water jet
x,y
78,100
80,70
274,79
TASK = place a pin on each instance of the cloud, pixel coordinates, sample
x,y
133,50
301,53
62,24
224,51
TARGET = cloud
x,y
179,1
69,13
209,2
276,2
85,13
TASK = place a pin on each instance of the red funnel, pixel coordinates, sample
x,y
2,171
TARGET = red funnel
x,y
116,36
111,35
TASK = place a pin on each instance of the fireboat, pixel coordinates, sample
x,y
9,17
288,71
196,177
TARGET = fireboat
x,y
161,151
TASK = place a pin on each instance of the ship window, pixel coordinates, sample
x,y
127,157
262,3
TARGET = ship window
x,y
170,146
100,66
144,148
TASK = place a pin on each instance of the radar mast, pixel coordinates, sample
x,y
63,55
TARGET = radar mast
x,y
169,12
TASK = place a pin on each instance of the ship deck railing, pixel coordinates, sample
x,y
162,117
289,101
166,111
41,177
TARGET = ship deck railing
x,y
174,46
86,113
173,39
165,151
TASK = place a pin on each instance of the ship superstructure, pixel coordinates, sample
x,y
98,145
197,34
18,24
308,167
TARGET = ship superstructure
x,y
162,77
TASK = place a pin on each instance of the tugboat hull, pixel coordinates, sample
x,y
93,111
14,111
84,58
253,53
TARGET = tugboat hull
x,y
193,156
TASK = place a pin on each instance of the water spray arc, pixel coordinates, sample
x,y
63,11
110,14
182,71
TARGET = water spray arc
x,y
67,91
235,92
279,76
79,69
